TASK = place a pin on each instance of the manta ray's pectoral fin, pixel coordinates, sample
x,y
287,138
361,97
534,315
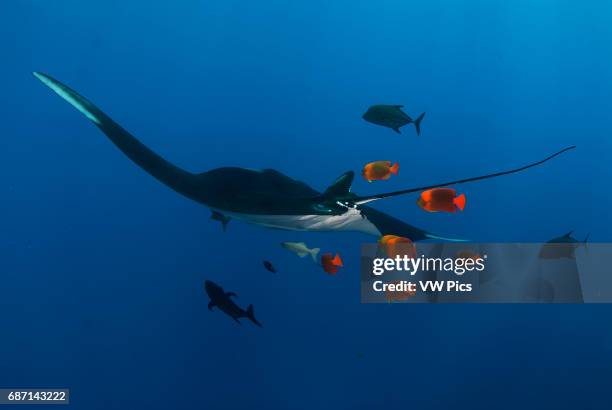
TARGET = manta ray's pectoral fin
x,y
211,305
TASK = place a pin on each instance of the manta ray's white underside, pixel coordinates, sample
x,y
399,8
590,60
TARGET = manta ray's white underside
x,y
351,220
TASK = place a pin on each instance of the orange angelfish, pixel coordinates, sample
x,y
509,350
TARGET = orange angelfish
x,y
393,245
379,170
331,264
441,200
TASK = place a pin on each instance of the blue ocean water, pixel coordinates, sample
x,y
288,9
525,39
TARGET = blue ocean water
x,y
103,266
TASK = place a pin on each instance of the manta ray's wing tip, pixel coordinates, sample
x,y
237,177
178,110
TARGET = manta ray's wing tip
x,y
70,96
42,77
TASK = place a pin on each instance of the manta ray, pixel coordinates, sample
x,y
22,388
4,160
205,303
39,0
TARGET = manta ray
x,y
266,197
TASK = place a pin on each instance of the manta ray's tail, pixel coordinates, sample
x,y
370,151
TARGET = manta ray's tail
x,y
169,174
366,199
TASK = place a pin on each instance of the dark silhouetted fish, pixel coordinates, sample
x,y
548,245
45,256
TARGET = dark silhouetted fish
x,y
268,265
391,116
218,216
223,300
562,247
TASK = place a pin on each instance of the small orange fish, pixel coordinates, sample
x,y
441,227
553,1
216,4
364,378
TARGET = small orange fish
x,y
331,264
393,245
468,254
441,200
379,170
398,295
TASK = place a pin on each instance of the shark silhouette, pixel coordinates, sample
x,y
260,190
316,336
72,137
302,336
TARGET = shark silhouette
x,y
265,197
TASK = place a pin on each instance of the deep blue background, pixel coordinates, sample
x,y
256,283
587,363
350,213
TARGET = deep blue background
x,y
102,266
